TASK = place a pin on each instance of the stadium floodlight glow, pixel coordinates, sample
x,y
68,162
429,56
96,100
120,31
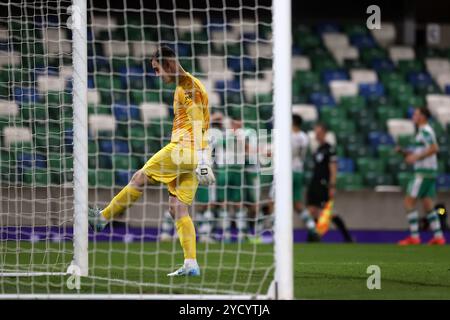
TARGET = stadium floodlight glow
x,y
88,111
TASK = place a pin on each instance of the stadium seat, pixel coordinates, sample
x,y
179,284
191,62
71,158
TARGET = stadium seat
x,y
397,53
307,111
126,112
361,41
346,165
101,123
382,64
330,75
359,76
16,135
321,99
254,87
399,127
376,138
386,35
349,181
153,111
443,182
342,54
342,88
371,89
301,63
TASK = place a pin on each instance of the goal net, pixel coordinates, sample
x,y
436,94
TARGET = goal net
x,y
129,113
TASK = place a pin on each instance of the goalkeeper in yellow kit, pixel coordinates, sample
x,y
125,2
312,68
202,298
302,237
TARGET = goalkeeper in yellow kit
x,y
181,165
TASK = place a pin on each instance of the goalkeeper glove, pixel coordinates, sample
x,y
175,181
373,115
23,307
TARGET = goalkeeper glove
x,y
203,171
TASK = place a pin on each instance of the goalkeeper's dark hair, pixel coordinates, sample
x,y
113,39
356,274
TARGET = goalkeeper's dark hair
x,y
163,54
425,112
297,121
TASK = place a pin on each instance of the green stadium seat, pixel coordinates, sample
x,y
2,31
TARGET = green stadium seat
x,y
36,176
406,101
385,113
385,151
357,150
350,103
139,96
125,162
99,109
339,125
406,66
373,179
101,178
366,165
349,181
327,114
106,81
368,54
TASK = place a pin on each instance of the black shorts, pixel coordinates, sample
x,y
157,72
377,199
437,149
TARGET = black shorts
x,y
317,194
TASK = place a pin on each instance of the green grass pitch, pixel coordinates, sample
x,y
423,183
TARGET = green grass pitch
x,y
322,271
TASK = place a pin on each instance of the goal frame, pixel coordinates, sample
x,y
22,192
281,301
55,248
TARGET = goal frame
x,y
282,284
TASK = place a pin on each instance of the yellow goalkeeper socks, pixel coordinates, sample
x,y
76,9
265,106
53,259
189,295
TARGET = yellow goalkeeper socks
x,y
186,233
124,199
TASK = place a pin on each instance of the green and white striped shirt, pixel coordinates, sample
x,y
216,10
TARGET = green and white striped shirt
x,y
425,137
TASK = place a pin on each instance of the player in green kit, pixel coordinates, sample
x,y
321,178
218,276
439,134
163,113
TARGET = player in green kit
x,y
423,184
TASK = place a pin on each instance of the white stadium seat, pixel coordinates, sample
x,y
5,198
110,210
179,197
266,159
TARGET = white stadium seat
x,y
56,41
260,50
93,96
334,40
100,123
219,38
343,88
359,76
9,58
443,80
188,25
16,134
8,109
307,111
253,87
385,36
341,54
103,23
47,83
442,115
153,110
141,49
435,101
437,66
399,127
397,53
214,98
301,63
113,48
66,72
212,64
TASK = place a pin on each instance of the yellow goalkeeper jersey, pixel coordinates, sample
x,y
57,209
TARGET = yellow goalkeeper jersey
x,y
191,112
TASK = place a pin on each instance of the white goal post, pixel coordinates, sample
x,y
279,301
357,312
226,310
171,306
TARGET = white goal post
x,y
93,256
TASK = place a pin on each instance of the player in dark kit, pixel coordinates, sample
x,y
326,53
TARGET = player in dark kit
x,y
322,187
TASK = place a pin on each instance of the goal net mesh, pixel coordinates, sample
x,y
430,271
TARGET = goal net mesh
x,y
225,44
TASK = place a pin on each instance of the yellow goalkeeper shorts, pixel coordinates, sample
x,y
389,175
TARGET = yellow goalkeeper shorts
x,y
174,166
